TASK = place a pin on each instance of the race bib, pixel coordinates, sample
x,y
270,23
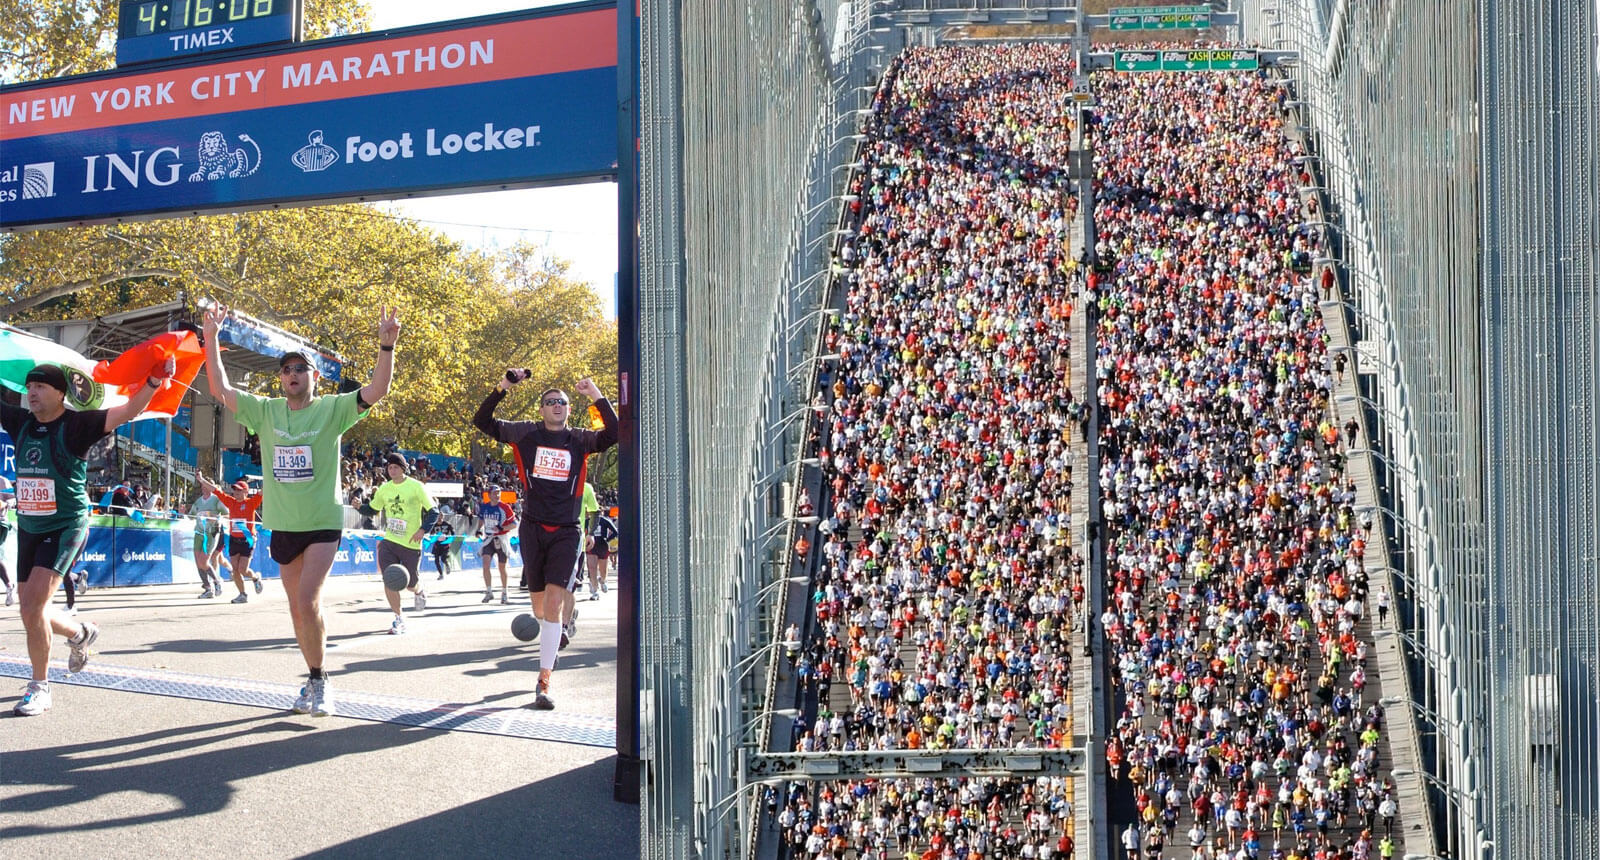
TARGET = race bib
x,y
552,464
36,497
397,527
291,464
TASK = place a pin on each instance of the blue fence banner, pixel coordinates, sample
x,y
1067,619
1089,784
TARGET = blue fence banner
x,y
526,98
125,554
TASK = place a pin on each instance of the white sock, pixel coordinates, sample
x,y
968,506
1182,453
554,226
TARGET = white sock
x,y
549,644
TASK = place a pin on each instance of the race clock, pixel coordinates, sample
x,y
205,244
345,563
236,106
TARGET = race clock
x,y
154,30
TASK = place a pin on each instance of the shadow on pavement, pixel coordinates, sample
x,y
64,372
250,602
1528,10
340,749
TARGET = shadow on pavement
x,y
199,782
570,816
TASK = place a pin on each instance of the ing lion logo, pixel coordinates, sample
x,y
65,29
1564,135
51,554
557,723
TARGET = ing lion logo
x,y
218,162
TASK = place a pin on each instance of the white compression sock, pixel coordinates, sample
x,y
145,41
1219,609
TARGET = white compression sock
x,y
549,644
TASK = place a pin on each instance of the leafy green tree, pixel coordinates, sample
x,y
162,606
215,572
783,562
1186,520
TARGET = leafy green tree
x,y
321,272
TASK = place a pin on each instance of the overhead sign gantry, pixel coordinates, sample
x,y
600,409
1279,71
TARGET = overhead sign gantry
x,y
504,101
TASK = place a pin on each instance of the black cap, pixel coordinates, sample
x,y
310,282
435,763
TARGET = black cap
x,y
50,375
297,353
397,460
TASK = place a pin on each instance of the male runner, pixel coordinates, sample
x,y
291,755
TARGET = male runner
x,y
244,510
208,513
551,459
499,520
53,508
300,464
408,513
442,536
602,531
569,608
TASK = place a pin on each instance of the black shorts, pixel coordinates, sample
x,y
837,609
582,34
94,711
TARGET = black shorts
x,y
498,545
601,549
56,550
287,546
550,554
241,545
393,553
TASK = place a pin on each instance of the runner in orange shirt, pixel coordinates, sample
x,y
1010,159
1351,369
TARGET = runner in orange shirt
x,y
243,508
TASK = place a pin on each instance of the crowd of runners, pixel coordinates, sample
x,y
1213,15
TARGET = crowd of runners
x,y
946,588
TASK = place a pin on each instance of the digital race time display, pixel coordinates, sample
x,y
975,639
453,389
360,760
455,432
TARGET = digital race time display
x,y
151,30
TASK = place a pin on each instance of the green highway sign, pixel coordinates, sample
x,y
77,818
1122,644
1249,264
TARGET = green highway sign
x,y
1160,18
1186,61
1235,61
1136,61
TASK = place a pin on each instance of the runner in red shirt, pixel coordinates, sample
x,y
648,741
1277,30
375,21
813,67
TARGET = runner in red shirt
x,y
243,511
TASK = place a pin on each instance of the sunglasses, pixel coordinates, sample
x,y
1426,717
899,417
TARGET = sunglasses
x,y
554,401
295,368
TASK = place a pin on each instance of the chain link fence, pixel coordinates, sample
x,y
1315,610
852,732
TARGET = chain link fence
x,y
1456,144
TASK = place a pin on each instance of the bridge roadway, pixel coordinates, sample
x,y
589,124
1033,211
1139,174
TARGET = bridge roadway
x,y
178,733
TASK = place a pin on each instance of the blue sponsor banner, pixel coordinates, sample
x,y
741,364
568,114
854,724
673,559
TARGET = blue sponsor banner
x,y
144,556
516,100
504,132
127,555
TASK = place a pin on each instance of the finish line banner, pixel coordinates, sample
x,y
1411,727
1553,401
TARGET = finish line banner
x,y
509,100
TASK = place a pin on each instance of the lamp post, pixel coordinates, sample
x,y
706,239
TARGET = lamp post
x,y
838,198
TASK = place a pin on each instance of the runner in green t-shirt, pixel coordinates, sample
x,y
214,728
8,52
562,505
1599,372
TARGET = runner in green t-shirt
x,y
52,443
300,476
408,513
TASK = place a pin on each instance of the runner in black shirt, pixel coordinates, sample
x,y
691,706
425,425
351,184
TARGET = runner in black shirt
x,y
552,459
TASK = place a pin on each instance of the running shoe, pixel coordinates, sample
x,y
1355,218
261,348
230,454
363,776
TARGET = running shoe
x,y
320,706
258,585
488,596
420,601
11,595
206,595
397,626
603,588
594,595
242,598
35,700
302,705
503,599
541,699
80,647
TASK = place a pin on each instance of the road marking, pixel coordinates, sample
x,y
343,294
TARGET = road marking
x,y
424,713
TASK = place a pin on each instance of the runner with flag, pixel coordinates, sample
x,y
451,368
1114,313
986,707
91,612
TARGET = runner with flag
x,y
52,442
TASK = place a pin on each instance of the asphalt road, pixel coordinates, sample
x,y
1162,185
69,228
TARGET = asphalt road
x,y
176,739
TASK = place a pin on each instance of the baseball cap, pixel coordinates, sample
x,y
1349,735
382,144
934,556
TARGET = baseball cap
x,y
397,459
300,354
242,484
49,374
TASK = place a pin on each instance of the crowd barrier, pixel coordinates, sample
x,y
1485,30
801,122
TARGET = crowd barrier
x,y
121,552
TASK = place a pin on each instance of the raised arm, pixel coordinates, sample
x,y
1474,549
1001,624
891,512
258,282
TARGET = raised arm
x,y
608,415
484,418
119,415
216,377
383,368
